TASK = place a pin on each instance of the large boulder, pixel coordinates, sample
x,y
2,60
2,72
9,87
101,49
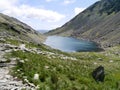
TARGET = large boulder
x,y
98,74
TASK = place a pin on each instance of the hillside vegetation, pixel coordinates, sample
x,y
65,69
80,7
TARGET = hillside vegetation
x,y
13,28
57,70
100,22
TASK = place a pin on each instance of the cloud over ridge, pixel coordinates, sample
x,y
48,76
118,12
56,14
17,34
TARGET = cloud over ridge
x,y
77,10
25,11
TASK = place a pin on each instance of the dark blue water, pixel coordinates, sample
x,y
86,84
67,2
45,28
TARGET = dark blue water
x,y
69,44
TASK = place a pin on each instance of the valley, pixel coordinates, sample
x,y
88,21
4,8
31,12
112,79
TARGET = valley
x,y
60,70
29,62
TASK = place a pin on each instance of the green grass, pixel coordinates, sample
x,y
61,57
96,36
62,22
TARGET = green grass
x,y
29,45
13,42
58,74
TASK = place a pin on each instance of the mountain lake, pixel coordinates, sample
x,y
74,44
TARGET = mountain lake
x,y
69,44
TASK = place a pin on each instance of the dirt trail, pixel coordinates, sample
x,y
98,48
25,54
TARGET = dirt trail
x,y
8,82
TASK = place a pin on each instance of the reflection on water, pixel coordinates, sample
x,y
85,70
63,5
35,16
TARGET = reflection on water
x,y
69,44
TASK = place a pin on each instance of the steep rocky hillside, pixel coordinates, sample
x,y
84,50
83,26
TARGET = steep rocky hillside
x,y
99,22
13,28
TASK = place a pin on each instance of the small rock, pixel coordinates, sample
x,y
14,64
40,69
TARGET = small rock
x,y
9,46
111,61
46,67
22,47
7,51
2,65
36,76
2,40
37,87
13,59
15,78
7,76
18,70
22,61
26,80
3,81
16,88
95,63
25,77
26,60
3,60
15,49
100,59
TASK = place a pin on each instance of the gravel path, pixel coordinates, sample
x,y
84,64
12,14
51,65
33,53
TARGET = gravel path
x,y
8,82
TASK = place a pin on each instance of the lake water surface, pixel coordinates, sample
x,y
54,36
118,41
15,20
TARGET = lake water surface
x,y
69,44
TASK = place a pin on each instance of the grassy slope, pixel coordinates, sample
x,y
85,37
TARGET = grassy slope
x,y
59,74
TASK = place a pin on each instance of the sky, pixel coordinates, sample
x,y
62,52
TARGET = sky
x,y
44,14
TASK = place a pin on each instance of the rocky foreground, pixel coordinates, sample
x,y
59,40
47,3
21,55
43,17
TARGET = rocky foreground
x,y
41,68
8,82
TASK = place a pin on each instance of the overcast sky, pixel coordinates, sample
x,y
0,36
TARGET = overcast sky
x,y
44,14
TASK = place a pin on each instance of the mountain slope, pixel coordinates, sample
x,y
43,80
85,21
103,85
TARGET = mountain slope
x,y
99,22
13,28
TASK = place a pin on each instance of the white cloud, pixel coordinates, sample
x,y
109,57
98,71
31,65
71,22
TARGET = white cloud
x,y
49,0
66,2
24,11
6,4
77,10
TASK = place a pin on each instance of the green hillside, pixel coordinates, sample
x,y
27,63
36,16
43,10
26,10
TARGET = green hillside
x,y
66,71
